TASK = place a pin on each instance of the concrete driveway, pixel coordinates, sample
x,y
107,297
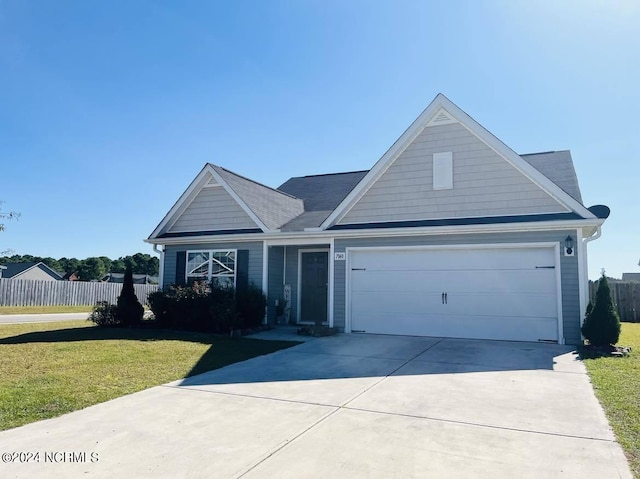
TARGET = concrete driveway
x,y
352,406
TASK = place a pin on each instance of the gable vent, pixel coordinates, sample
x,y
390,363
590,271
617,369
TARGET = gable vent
x,y
442,117
211,183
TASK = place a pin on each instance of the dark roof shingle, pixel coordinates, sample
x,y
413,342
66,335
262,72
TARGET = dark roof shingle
x,y
321,195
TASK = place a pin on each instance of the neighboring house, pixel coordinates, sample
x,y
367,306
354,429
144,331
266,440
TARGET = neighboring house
x,y
450,234
72,276
631,277
38,271
137,278
2,268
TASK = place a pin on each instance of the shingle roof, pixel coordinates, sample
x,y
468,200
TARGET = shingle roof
x,y
558,167
274,208
13,269
631,277
321,195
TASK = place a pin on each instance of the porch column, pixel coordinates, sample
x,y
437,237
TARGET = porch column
x,y
265,275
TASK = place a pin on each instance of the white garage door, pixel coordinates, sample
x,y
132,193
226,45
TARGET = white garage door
x,y
491,293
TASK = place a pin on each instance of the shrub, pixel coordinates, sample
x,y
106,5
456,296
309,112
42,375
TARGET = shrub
x,y
160,305
251,303
103,314
602,324
223,309
212,307
129,311
183,307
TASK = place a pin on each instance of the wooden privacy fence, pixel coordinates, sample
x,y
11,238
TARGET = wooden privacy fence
x,y
30,292
626,297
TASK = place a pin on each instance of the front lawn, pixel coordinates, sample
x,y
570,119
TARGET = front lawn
x,y
44,309
617,385
48,369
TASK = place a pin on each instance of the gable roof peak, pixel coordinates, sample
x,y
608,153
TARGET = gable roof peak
x,y
455,113
219,168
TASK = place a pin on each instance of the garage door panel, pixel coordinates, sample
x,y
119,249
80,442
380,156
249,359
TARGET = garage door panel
x,y
473,327
456,259
538,281
526,305
500,293
523,304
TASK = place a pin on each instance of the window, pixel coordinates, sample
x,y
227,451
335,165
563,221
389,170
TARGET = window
x,y
443,170
216,265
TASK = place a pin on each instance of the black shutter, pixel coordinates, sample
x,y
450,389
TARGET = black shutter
x,y
181,267
242,270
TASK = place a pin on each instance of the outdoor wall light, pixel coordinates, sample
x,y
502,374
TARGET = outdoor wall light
x,y
568,246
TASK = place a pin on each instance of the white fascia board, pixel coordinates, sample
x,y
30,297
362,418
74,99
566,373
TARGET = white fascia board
x,y
182,202
237,198
279,239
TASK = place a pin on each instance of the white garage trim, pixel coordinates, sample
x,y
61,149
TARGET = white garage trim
x,y
501,246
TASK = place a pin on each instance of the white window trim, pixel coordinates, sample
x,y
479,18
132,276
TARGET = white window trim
x,y
210,252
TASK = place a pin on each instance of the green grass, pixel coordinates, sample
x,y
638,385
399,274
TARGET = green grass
x,y
44,309
617,385
50,369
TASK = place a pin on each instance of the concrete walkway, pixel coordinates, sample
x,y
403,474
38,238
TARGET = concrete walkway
x,y
348,406
41,318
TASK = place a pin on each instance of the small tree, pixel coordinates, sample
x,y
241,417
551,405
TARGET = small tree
x,y
602,324
128,309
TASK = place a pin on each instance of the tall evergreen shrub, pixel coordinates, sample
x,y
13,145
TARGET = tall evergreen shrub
x,y
129,311
602,325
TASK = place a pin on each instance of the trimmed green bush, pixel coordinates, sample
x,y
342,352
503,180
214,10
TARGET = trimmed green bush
x,y
183,307
103,314
208,307
129,311
223,309
251,303
602,325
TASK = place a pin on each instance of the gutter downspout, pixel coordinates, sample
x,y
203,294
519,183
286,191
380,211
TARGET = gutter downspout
x,y
583,258
161,271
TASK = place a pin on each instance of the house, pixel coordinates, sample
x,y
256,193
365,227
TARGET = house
x,y
71,276
631,277
137,278
450,234
39,271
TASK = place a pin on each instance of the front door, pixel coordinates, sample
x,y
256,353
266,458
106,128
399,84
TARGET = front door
x,y
314,277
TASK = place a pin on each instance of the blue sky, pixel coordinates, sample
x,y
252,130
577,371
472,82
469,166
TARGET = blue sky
x,y
109,109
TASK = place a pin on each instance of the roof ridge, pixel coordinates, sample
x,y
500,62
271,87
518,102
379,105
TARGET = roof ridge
x,y
543,152
331,174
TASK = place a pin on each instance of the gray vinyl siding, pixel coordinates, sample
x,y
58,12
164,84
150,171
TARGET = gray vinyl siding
x,y
277,278
255,258
291,275
484,184
275,285
568,265
213,209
